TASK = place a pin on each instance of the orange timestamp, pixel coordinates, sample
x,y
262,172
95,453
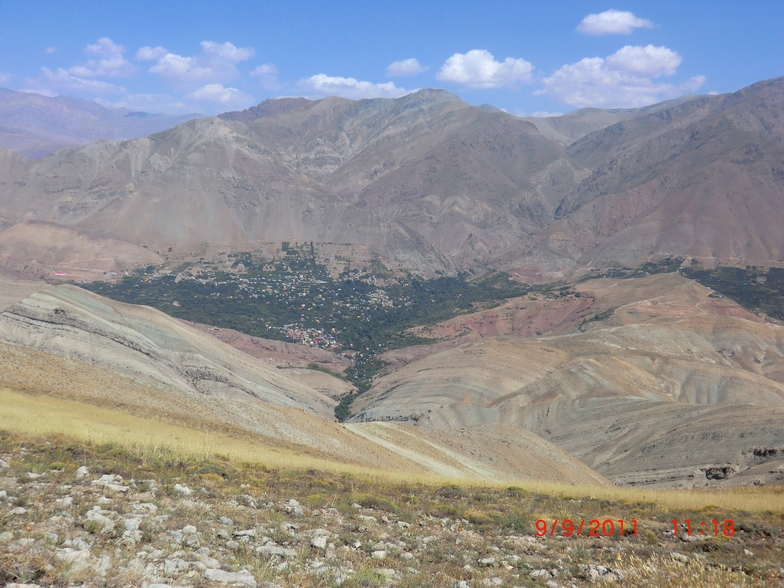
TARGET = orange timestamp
x,y
718,528
593,528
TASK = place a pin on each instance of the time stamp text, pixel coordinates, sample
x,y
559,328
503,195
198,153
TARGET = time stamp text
x,y
609,527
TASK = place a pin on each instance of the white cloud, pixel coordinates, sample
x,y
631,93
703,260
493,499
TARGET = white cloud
x,y
216,95
216,63
107,61
543,114
5,78
406,67
149,103
147,53
625,79
479,69
50,83
324,85
267,74
645,61
51,50
612,22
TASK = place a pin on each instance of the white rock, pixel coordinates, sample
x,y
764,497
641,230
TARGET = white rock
x,y
33,476
319,542
22,586
275,550
17,511
492,582
461,584
184,490
82,472
65,502
380,554
241,578
96,516
488,561
3,495
3,464
188,530
540,574
77,559
111,482
6,536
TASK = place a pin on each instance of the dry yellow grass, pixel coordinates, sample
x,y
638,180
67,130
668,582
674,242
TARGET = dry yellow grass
x,y
45,415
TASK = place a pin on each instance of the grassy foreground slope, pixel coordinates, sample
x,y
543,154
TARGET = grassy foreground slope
x,y
74,512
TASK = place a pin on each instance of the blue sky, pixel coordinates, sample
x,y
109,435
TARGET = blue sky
x,y
524,57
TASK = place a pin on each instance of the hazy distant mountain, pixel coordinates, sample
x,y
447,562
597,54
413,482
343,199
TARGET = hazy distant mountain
x,y
36,125
434,184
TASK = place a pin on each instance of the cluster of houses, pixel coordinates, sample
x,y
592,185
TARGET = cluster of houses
x,y
311,337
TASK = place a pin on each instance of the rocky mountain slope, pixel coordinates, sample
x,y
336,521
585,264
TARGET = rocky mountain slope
x,y
702,179
36,125
429,183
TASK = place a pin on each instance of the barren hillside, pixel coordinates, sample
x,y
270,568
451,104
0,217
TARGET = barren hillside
x,y
669,366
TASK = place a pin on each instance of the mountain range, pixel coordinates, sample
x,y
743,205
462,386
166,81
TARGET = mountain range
x,y
431,184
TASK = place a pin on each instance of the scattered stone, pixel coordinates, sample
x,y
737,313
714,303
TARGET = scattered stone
x,y
184,490
380,554
33,475
226,521
492,582
319,542
748,552
3,464
294,508
488,561
461,584
6,536
275,550
17,511
111,482
78,559
96,516
82,472
65,502
542,573
3,495
241,578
